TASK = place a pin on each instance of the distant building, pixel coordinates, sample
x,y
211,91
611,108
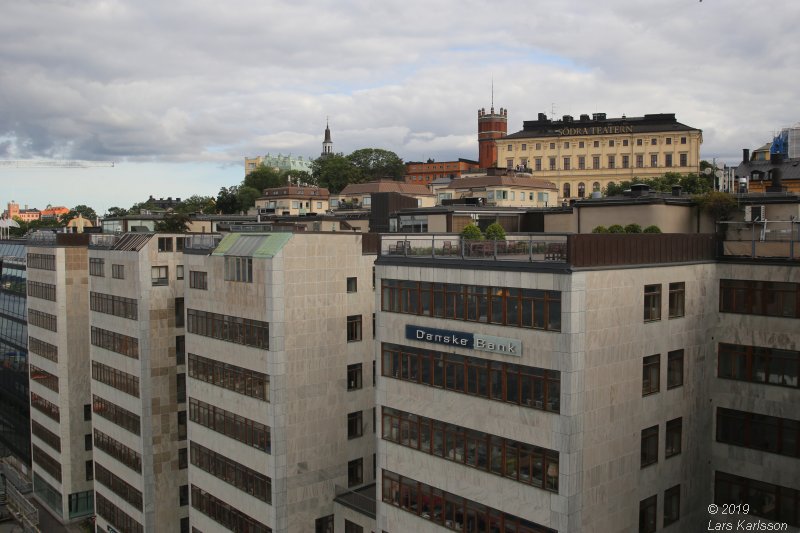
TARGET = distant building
x,y
755,172
293,201
512,190
585,155
54,211
426,173
358,195
26,215
491,126
327,144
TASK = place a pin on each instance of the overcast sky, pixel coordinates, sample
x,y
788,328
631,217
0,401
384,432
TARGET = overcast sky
x,y
179,92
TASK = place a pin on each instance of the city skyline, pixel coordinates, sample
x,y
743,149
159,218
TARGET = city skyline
x,y
178,97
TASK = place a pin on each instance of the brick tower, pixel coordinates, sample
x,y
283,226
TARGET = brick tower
x,y
491,127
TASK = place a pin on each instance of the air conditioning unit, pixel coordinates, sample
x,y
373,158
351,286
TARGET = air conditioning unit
x,y
753,213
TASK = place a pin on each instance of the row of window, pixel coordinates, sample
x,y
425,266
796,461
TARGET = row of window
x,y
243,478
233,329
114,305
526,308
223,513
239,269
49,409
766,298
651,372
42,320
756,364
765,500
116,342
47,436
672,443
43,349
453,512
532,387
237,427
611,162
231,377
116,516
512,195
652,301
641,141
47,463
45,291
116,414
118,486
648,508
761,432
165,244
42,261
118,451
44,378
118,379
522,462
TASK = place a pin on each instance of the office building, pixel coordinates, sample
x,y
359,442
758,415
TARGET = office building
x,y
280,384
58,346
426,173
583,156
138,380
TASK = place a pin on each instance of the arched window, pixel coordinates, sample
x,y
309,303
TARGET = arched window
x,y
596,186
581,190
566,190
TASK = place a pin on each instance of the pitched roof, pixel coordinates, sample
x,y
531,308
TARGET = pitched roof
x,y
386,186
482,181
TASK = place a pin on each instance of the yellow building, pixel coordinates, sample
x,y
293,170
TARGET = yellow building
x,y
582,156
513,190
293,201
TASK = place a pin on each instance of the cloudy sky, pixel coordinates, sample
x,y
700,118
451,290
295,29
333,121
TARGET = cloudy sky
x,y
179,92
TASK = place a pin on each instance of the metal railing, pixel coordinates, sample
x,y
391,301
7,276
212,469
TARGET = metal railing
x,y
762,239
544,247
361,499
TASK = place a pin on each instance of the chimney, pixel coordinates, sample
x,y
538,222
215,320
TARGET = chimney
x,y
777,174
745,155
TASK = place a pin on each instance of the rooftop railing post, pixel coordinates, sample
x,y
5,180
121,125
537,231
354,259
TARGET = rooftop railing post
x,y
461,241
494,243
433,246
753,243
530,248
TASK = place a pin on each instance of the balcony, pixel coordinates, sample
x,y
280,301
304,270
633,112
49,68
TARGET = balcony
x,y
361,500
762,240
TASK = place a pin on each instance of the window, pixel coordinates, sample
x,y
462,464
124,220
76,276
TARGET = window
x,y
354,376
89,467
352,284
182,425
45,291
42,320
118,451
668,140
524,147
772,502
239,269
596,144
198,280
159,275
767,298
653,141
649,446
674,369
638,142
510,148
233,329
180,349
324,524
96,265
566,163
180,379
231,425
596,186
165,244
552,146
87,412
611,143
509,163
118,271
116,516
538,163
626,161
582,162
179,308
42,261
183,495
581,144
122,381
651,374
242,477
566,145
581,190
179,272
652,303
653,160
683,140
355,472
684,160
354,328
87,442
624,142
758,432
114,305
667,160
224,513
647,514
350,527
552,163
538,146
183,458
672,446
639,161
355,425
116,414
757,364
596,162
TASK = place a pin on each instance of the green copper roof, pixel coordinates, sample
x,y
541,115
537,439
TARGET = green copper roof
x,y
252,244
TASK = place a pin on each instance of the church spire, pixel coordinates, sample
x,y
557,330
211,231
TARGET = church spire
x,y
327,144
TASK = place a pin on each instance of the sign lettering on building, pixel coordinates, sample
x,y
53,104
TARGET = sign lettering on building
x,y
596,130
473,341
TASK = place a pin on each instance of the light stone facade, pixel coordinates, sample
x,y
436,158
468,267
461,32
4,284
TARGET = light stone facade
x,y
156,328
300,288
70,370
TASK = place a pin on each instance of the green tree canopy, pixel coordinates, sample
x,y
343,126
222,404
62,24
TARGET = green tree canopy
x,y
247,197
264,177
335,172
173,223
228,200
197,204
689,183
84,210
116,212
376,163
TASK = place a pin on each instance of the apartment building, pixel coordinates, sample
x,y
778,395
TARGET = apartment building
x,y
582,156
58,361
280,378
598,390
136,331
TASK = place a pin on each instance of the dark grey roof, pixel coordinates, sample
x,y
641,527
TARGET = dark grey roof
x,y
654,123
790,168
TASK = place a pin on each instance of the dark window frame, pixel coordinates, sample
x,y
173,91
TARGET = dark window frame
x,y
651,374
652,302
677,299
673,437
675,369
649,446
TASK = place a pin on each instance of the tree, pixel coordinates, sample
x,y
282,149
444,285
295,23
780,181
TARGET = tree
x,y
173,223
247,197
83,210
600,229
375,163
652,229
136,209
197,204
495,232
264,177
720,205
116,212
633,228
297,177
335,172
228,200
471,232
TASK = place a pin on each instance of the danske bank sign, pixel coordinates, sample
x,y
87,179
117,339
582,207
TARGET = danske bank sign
x,y
473,341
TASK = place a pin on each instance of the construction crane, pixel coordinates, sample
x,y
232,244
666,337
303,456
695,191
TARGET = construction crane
x,y
52,163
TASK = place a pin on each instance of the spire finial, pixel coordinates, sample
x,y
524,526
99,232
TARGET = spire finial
x,y
492,90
